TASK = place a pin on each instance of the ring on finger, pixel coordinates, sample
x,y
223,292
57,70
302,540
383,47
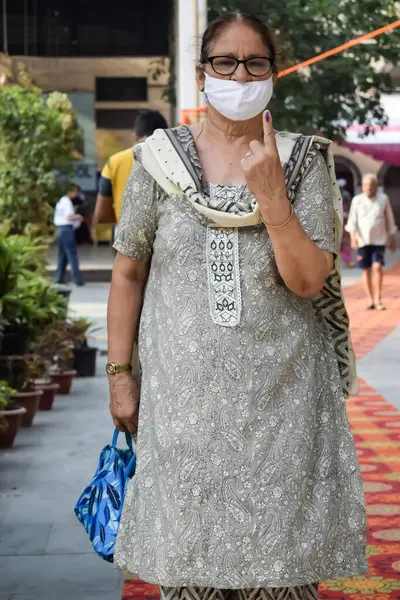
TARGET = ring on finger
x,y
248,154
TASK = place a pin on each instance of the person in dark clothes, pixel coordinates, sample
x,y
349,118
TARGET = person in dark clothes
x,y
82,233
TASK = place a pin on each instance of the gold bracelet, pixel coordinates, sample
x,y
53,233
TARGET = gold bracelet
x,y
283,224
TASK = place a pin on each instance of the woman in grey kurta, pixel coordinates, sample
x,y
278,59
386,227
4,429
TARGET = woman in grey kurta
x,y
247,475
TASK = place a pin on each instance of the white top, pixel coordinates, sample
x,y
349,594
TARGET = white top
x,y
64,209
371,219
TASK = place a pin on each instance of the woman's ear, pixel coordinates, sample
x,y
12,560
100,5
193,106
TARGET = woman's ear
x,y
200,77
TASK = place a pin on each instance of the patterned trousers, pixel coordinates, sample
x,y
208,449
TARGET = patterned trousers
x,y
303,592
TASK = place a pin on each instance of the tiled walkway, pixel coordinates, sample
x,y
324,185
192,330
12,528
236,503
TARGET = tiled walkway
x,y
376,428
369,328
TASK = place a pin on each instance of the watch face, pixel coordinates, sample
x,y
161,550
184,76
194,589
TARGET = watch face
x,y
111,368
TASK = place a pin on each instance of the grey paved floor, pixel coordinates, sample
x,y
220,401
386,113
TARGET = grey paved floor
x,y
44,553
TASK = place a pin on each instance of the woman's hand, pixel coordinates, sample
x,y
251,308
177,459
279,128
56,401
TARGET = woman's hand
x,y
265,178
124,401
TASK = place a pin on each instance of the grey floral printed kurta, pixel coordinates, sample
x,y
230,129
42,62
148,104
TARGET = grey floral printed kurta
x,y
247,474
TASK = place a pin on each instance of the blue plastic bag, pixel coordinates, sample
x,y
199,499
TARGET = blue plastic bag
x,y
99,507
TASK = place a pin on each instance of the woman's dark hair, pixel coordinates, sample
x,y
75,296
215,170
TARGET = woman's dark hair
x,y
215,28
147,121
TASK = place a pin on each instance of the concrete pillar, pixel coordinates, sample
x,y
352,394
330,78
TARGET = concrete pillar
x,y
191,22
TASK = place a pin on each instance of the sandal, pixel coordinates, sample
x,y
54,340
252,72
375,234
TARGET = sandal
x,y
370,307
380,306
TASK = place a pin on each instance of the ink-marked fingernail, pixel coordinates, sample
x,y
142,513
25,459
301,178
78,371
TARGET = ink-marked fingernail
x,y
267,116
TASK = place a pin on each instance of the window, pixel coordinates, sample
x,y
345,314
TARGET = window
x,y
87,27
121,89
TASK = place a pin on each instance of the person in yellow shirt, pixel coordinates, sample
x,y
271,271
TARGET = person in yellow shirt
x,y
117,169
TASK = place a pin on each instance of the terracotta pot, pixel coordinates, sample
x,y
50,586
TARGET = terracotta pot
x,y
49,392
64,379
29,401
13,419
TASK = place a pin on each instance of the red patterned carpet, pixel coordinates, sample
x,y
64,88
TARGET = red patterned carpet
x,y
376,428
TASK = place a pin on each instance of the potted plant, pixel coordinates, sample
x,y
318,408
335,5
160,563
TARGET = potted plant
x,y
28,395
44,351
56,346
10,415
14,337
21,260
27,300
44,384
63,373
84,355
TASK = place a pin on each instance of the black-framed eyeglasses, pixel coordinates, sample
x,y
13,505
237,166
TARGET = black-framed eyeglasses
x,y
257,66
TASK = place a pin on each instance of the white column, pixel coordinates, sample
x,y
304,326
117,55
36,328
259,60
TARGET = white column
x,y
191,23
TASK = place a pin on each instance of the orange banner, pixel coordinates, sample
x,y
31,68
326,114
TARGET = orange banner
x,y
366,36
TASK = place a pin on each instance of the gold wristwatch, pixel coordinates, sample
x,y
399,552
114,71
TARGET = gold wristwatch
x,y
112,368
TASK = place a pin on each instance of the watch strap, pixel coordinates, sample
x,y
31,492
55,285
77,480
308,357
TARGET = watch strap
x,y
113,368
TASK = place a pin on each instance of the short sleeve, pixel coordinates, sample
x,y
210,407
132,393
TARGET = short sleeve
x,y
313,204
138,222
105,187
106,172
67,207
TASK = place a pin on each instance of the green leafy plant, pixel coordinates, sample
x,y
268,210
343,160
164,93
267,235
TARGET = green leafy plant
x,y
27,297
6,395
38,136
37,369
339,90
55,346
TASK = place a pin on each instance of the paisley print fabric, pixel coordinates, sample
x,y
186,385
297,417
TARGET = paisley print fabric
x,y
247,475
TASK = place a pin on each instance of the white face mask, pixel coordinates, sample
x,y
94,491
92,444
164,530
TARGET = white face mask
x,y
238,101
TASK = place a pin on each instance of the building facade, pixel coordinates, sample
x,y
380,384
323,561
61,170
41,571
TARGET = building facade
x,y
113,60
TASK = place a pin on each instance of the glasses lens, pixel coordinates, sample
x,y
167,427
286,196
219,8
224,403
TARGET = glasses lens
x,y
258,66
223,65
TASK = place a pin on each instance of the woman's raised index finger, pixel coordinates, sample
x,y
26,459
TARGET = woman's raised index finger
x,y
269,133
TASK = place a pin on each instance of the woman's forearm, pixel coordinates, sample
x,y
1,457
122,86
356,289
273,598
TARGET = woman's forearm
x,y
124,307
301,263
